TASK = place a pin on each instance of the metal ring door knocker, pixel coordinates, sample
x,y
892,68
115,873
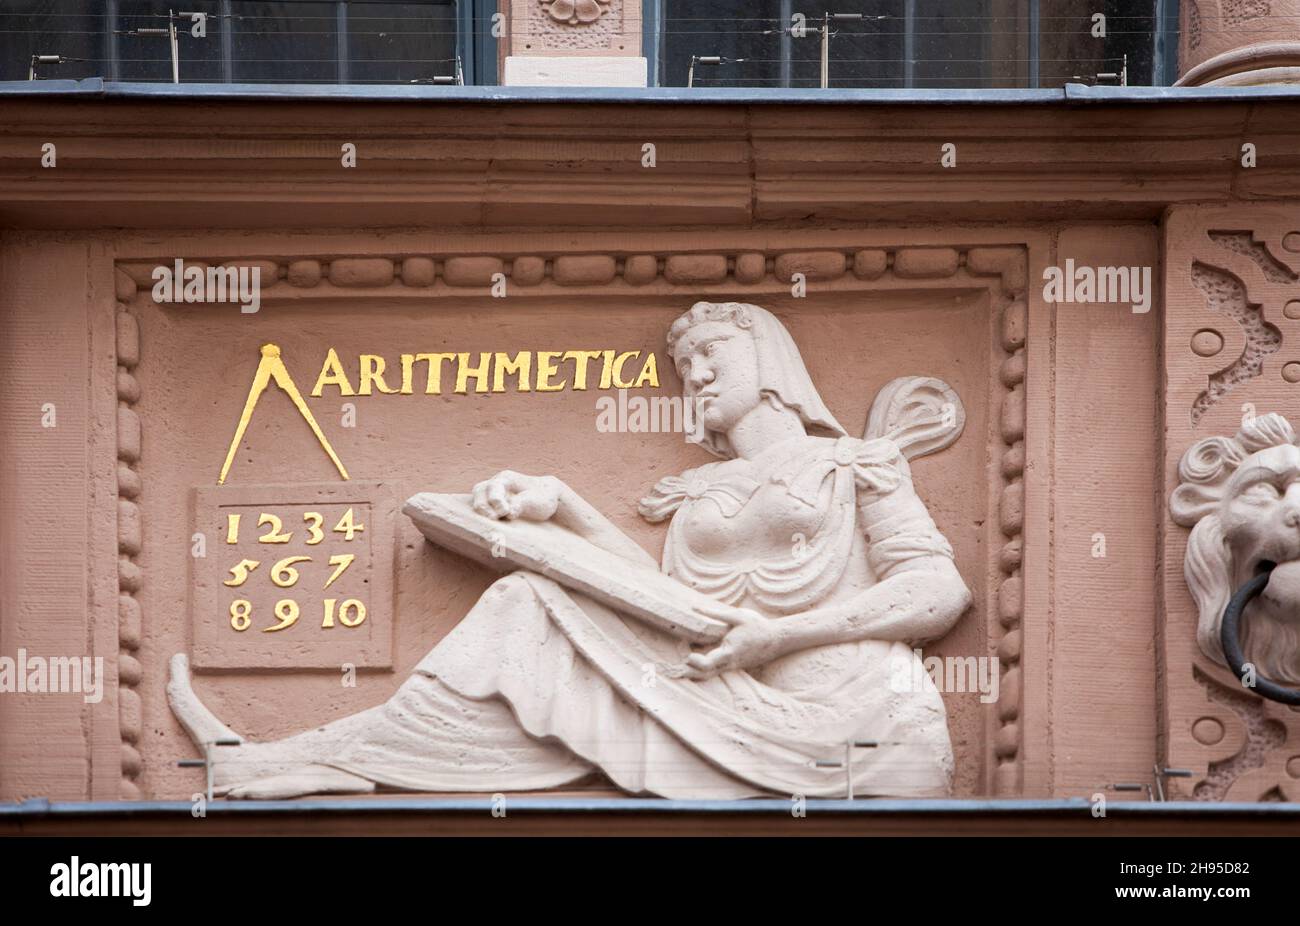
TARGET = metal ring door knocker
x,y
1228,637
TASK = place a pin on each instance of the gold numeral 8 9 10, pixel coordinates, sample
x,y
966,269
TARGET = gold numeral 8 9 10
x,y
351,613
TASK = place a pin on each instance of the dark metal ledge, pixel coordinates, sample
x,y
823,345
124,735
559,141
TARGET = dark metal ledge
x,y
637,805
642,816
95,87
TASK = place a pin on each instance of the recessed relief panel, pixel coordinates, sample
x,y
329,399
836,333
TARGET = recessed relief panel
x,y
293,576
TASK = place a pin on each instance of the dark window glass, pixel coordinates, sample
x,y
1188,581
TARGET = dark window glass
x,y
972,44
1069,52
285,42
401,42
957,45
51,27
746,34
863,52
289,41
149,57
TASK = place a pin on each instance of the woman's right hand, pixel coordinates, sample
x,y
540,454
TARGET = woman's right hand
x,y
752,639
509,495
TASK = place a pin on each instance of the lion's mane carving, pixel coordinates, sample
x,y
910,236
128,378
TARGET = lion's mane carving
x,y
1241,497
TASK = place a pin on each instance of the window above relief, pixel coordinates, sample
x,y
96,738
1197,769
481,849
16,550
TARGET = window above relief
x,y
757,44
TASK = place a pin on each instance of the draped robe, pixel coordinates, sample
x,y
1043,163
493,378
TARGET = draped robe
x,y
540,686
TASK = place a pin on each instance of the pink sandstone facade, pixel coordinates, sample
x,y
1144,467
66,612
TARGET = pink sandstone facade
x,y
475,227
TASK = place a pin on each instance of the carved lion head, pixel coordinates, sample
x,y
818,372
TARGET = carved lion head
x,y
1241,497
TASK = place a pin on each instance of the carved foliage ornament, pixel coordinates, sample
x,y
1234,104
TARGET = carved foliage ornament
x,y
575,12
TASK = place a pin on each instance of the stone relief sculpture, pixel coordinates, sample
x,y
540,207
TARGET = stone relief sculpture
x,y
574,12
1241,497
798,571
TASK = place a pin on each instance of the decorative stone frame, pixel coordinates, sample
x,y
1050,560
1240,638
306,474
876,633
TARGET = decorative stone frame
x,y
741,265
1219,365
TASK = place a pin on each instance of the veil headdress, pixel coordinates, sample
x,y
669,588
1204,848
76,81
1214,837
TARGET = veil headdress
x,y
781,374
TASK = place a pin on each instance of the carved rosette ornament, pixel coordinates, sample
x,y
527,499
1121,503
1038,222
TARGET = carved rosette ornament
x,y
575,12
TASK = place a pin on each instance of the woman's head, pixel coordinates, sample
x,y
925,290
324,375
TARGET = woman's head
x,y
731,357
714,354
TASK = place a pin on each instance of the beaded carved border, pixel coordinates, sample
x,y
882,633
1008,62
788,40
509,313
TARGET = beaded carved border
x,y
536,273
130,577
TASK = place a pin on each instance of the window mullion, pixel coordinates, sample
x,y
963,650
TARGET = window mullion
x,y
783,29
1034,26
341,38
909,43
227,42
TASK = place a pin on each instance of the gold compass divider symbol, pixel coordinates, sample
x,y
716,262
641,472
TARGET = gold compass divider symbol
x,y
270,368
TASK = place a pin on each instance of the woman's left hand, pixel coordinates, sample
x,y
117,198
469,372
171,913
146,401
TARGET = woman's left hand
x,y
753,640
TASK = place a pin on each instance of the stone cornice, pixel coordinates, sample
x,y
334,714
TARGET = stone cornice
x,y
276,163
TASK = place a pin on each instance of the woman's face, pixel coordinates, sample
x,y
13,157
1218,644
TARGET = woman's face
x,y
719,369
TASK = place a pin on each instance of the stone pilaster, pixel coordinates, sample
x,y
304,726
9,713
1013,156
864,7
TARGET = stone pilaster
x,y
1239,43
574,43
